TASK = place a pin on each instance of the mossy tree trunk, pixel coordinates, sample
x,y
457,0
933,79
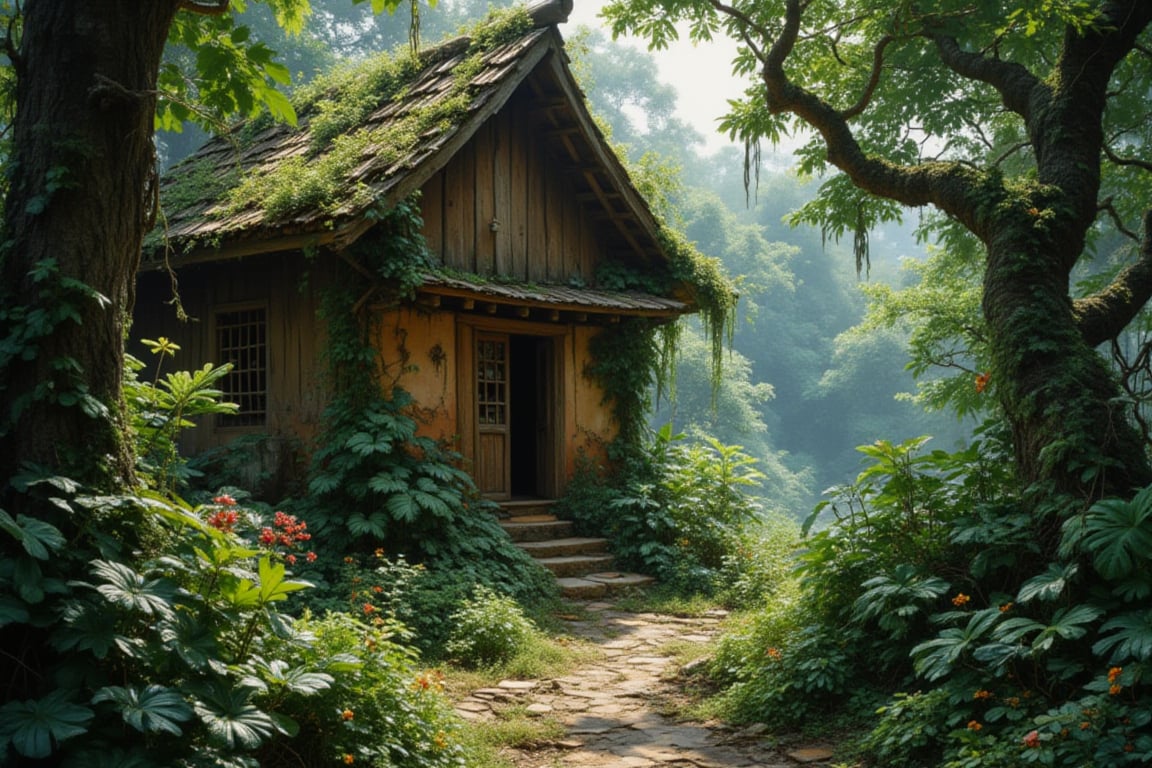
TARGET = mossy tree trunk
x,y
81,198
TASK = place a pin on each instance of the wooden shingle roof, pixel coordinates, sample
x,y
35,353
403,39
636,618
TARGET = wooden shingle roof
x,y
219,224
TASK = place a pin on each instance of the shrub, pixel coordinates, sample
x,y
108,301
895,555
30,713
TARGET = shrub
x,y
487,629
376,484
761,563
678,511
380,708
780,669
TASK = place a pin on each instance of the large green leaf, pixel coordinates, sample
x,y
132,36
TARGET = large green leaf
x,y
1049,585
273,584
38,537
155,709
231,718
1117,534
1130,638
34,725
127,589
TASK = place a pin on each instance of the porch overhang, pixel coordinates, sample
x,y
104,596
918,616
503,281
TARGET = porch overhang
x,y
554,303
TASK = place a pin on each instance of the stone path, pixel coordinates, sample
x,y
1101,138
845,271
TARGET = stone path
x,y
610,708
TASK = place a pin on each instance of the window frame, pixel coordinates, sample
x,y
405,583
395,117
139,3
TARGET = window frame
x,y
239,422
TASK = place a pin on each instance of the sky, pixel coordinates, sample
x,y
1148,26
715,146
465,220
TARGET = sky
x,y
701,74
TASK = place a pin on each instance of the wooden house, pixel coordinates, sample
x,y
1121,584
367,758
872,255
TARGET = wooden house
x,y
525,207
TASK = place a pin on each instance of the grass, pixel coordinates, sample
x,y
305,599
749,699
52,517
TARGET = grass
x,y
541,656
513,728
662,599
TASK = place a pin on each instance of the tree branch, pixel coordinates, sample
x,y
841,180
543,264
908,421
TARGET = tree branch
x,y
1013,82
1104,315
1118,160
873,79
943,184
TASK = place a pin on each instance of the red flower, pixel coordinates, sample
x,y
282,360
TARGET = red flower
x,y
223,520
225,500
290,559
267,537
1032,739
310,557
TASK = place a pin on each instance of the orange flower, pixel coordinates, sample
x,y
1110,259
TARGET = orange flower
x,y
974,726
1114,674
348,759
961,600
1114,690
347,714
1006,607
982,694
774,654
982,381
1032,739
369,608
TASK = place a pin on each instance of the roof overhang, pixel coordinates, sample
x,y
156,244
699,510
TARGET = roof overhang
x,y
552,303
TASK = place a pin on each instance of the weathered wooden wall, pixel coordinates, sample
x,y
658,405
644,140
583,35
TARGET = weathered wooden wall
x,y
504,174
295,336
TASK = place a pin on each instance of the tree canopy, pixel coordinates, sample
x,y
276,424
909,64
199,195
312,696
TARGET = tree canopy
x,y
1021,126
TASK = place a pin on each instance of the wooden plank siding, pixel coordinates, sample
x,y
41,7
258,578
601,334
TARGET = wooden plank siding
x,y
503,173
295,377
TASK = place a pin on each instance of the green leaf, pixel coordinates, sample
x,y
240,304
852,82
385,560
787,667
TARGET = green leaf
x,y
403,507
131,591
37,537
1049,585
296,679
12,610
34,725
232,720
155,709
273,585
1131,638
1118,534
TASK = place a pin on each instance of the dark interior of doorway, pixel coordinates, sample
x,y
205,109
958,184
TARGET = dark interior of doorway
x,y
526,413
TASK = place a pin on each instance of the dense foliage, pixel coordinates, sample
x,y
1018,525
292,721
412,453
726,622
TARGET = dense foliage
x,y
168,633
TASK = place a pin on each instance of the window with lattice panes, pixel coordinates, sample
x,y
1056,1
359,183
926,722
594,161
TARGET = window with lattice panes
x,y
242,340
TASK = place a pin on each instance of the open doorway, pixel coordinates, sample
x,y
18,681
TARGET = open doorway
x,y
517,405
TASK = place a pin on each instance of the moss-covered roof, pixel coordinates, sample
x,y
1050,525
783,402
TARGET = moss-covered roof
x,y
369,136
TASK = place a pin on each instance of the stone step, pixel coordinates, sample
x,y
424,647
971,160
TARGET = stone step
x,y
565,547
575,565
526,507
600,584
541,531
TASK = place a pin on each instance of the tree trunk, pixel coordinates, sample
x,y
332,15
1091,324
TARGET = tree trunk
x,y
81,199
1071,434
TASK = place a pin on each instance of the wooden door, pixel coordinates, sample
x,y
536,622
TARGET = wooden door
x,y
493,443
